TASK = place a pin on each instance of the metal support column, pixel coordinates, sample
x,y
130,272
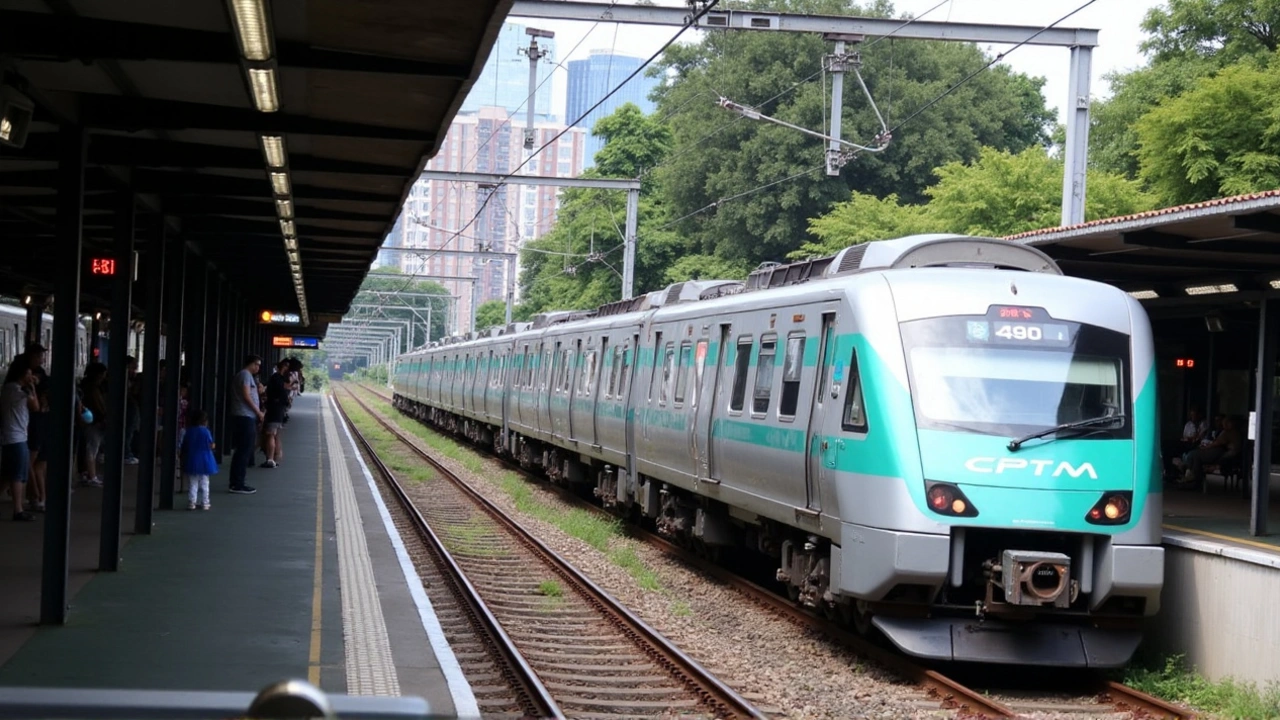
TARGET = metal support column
x,y
174,271
1076,150
230,358
1263,404
152,325
193,340
834,153
72,145
629,251
35,313
212,346
117,386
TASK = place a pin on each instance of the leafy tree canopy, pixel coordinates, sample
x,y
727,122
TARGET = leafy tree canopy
x,y
1188,41
1222,137
718,155
1000,194
491,313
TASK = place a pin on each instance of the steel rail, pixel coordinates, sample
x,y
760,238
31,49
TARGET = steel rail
x,y
704,684
532,695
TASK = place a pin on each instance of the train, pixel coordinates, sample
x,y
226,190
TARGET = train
x,y
941,439
13,332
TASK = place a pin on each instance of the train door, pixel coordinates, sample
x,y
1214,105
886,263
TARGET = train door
x,y
630,361
573,387
821,455
596,389
551,361
706,399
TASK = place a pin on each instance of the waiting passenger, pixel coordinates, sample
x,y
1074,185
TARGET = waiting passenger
x,y
1224,447
245,416
277,405
95,401
17,402
198,462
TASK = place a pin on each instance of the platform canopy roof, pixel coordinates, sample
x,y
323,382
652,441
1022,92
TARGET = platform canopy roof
x,y
352,97
1214,252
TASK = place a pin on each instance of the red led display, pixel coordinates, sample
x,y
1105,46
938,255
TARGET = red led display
x,y
1185,363
102,266
1015,313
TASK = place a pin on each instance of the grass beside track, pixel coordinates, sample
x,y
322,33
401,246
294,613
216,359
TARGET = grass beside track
x,y
1172,679
605,535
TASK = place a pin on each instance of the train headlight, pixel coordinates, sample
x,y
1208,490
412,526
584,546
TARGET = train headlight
x,y
947,499
1112,509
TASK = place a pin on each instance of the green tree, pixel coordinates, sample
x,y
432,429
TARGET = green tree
x,y
1000,194
387,293
718,156
1222,137
491,313
1188,41
578,264
1226,30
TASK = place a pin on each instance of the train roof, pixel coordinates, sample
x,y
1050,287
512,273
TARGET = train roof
x,y
789,282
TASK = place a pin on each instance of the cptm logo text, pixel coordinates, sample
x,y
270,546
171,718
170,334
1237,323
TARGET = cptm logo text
x,y
997,466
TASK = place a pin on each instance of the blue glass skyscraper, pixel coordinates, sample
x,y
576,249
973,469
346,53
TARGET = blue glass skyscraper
x,y
592,79
504,82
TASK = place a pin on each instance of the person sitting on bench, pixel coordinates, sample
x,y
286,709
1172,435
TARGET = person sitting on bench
x,y
1227,445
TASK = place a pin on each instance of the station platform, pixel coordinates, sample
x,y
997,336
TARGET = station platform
x,y
305,579
1220,516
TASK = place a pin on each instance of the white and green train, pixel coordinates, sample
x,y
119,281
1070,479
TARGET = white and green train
x,y
939,436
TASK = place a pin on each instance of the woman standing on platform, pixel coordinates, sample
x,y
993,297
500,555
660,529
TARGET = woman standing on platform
x,y
17,402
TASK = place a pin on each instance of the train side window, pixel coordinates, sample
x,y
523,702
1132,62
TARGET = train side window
x,y
764,376
792,363
653,379
622,376
682,371
611,386
668,369
588,373
854,417
741,365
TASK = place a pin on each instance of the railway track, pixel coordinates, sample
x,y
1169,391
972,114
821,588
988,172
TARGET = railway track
x,y
1105,698
564,647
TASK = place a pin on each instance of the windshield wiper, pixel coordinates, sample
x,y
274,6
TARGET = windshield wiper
x,y
1017,442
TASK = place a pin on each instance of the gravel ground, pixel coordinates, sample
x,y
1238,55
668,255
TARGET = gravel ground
x,y
784,669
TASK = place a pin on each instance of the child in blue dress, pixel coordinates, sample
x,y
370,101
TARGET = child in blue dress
x,y
198,462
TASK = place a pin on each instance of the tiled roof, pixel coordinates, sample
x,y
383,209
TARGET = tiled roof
x,y
1150,214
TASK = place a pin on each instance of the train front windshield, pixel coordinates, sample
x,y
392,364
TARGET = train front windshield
x,y
1016,371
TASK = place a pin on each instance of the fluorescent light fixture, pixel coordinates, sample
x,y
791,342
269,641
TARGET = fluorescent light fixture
x,y
280,183
273,148
1275,284
1212,289
263,82
290,243
285,209
1144,294
293,257
286,227
251,27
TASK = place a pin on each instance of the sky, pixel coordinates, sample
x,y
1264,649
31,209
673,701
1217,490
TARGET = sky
x,y
1119,23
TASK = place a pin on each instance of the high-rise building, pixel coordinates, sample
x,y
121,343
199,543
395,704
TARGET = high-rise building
x,y
441,216
592,79
504,82
394,239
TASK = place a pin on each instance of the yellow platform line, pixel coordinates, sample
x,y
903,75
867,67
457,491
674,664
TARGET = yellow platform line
x,y
317,585
1225,538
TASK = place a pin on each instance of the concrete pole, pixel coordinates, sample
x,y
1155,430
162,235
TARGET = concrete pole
x,y
629,252
1075,153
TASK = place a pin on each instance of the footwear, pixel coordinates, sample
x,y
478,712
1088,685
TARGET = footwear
x,y
268,464
191,506
23,517
244,490
205,506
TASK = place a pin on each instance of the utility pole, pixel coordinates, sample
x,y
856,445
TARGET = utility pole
x,y
535,54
